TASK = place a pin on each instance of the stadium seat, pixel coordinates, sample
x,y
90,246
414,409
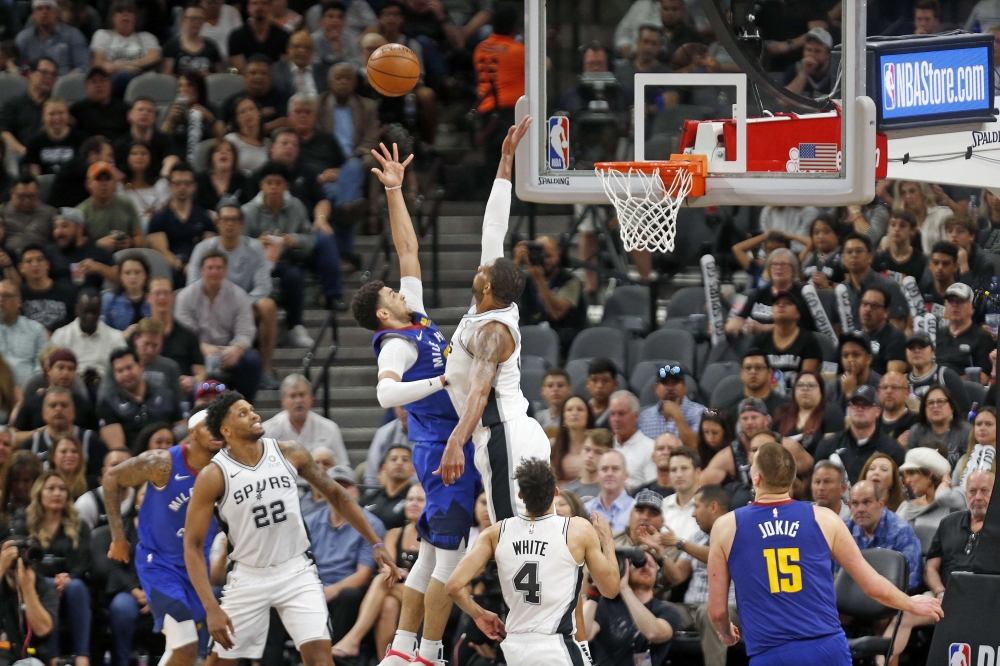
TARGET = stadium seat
x,y
599,342
829,348
529,362
926,535
727,391
853,602
686,301
670,343
161,88
70,88
220,87
45,186
628,310
540,341
712,375
12,85
200,161
976,392
531,384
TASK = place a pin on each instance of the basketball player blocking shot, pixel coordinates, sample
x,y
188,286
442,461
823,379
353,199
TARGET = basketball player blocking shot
x,y
251,487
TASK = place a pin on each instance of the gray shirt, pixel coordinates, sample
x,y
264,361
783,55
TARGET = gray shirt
x,y
67,47
386,437
293,218
20,344
226,320
585,491
25,229
161,372
246,265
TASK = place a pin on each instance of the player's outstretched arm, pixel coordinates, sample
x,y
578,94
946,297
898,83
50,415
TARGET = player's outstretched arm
x,y
152,466
599,553
208,487
457,586
498,206
403,236
338,498
718,579
491,344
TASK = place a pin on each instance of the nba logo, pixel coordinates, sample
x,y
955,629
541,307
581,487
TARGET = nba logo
x,y
559,143
959,654
888,86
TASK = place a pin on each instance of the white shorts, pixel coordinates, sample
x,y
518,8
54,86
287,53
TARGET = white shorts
x,y
293,589
499,450
542,650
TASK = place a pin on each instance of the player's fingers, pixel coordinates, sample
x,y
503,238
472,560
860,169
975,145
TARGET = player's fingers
x,y
408,160
385,151
437,472
378,156
395,153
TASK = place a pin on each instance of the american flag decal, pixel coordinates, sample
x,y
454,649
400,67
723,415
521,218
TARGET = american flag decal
x,y
818,157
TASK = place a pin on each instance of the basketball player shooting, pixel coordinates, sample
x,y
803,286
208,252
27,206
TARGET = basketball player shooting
x,y
252,486
777,551
531,548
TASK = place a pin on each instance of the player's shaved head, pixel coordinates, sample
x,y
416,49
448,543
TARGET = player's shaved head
x,y
776,467
538,485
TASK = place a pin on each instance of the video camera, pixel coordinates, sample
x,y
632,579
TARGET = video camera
x,y
536,253
634,554
29,549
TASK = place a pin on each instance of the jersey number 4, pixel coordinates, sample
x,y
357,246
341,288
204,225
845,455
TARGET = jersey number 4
x,y
260,512
526,582
782,575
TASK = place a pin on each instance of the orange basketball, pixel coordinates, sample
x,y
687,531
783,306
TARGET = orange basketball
x,y
393,70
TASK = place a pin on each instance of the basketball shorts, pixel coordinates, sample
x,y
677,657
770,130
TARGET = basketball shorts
x,y
499,450
827,651
450,510
292,588
542,650
168,589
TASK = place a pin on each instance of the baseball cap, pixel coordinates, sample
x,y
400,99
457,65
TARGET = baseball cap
x,y
210,386
342,473
923,337
35,4
74,215
820,35
649,498
789,296
961,290
865,393
673,371
95,70
752,405
100,168
856,337
923,457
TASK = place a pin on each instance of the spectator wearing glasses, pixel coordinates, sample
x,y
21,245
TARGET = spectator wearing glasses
x,y
190,50
676,413
21,116
925,373
829,485
897,418
888,344
856,362
854,445
47,36
941,421
26,220
782,273
788,347
960,332
808,417
180,344
755,371
21,339
982,450
859,277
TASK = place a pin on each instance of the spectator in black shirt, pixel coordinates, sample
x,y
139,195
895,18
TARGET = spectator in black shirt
x,y
781,271
188,50
553,294
823,264
789,348
142,129
21,116
56,144
812,76
221,179
897,418
388,502
260,87
974,267
925,373
100,113
176,228
69,187
75,261
855,354
809,416
134,404
859,276
304,184
755,372
961,343
676,31
887,342
901,258
179,344
941,274
856,444
61,371
258,35
43,300
29,603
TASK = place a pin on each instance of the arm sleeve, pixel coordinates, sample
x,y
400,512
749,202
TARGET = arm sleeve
x,y
396,394
412,289
495,221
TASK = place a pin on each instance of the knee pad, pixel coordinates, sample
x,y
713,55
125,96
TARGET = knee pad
x,y
420,574
447,560
179,634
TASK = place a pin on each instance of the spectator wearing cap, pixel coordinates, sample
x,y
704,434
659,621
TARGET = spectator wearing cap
x,y
925,373
623,409
91,339
47,36
133,403
100,113
829,485
74,259
108,218
922,473
859,276
676,413
854,445
788,347
962,344
812,76
855,353
941,273
60,371
974,267
392,434
21,116
888,343
755,372
678,507
897,418
298,422
663,447
26,219
602,381
21,339
42,298
207,392
613,503
644,524
872,525
388,501
180,344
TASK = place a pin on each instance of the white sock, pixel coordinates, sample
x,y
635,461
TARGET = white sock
x,y
431,650
405,642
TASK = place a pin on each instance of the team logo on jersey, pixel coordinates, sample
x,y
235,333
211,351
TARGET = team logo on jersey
x,y
424,321
959,654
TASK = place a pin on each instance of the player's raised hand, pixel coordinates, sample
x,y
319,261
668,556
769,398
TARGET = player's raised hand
x,y
386,564
925,606
514,135
391,173
118,550
602,526
452,461
491,625
220,627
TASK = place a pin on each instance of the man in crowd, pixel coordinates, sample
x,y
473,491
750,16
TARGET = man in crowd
x,y
69,188
789,348
598,442
221,315
392,434
859,276
646,518
856,359
553,294
812,76
157,370
556,390
829,484
329,42
21,116
26,220
678,508
663,446
142,128
30,603
961,343
353,120
304,184
51,38
623,410
74,259
675,413
298,73
926,373
178,227
602,381
108,218
874,526
42,299
926,17
134,404
90,505
260,87
645,61
91,339
974,267
941,274
59,415
388,501
61,371
897,418
676,31
887,342
298,422
21,339
613,502
180,344
260,34
755,371
854,445
100,113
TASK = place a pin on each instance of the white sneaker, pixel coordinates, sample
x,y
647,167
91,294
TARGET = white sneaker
x,y
300,337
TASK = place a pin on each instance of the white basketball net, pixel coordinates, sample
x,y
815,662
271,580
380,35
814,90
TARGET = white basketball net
x,y
646,221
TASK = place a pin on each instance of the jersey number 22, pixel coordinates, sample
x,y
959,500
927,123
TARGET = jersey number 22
x,y
782,574
260,518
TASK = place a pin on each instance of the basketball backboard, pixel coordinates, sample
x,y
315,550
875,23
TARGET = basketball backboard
x,y
766,144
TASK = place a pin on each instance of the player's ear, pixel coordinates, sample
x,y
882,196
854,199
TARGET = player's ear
x,y
519,495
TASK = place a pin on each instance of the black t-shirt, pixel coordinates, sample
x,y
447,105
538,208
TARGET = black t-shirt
x,y
758,307
182,236
885,264
423,24
948,354
60,261
833,420
900,425
11,623
183,347
304,186
21,117
242,42
108,120
52,308
320,153
53,154
160,145
159,405
656,488
390,510
888,344
207,197
273,105
619,640
831,266
203,61
29,417
950,543
789,360
853,456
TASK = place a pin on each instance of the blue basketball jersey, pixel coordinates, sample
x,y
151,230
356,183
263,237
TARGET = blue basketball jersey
x,y
163,510
433,418
781,564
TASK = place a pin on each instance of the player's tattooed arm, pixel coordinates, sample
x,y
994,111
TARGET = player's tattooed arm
x,y
153,466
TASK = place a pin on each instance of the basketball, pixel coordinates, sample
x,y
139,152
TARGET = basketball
x,y
393,70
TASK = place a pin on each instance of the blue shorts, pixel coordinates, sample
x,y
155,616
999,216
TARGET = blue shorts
x,y
168,589
827,651
450,510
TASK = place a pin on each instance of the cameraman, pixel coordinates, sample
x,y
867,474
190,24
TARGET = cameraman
x,y
40,602
553,294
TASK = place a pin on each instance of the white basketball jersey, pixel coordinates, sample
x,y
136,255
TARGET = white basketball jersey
x,y
505,402
538,575
259,510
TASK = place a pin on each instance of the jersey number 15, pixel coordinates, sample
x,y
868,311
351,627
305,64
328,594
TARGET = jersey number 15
x,y
782,575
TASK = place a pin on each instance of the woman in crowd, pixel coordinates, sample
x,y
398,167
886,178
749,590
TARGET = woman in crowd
x,y
57,143
123,307
188,49
923,472
67,459
918,198
807,417
65,540
981,453
251,144
989,221
154,437
746,253
22,471
821,260
381,605
781,274
10,393
940,419
481,514
567,445
882,471
189,121
221,178
715,432
147,190
121,51
568,504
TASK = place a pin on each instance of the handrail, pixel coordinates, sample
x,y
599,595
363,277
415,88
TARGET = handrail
x,y
331,323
